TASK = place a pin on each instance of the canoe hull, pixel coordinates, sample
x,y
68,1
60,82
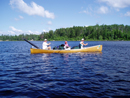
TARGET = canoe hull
x,y
97,48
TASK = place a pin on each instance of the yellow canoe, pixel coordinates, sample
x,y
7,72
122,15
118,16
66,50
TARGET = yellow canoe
x,y
97,48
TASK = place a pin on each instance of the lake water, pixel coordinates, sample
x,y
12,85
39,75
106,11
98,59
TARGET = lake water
x,y
26,75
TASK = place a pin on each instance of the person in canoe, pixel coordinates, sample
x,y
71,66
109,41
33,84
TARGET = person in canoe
x,y
45,45
66,46
82,44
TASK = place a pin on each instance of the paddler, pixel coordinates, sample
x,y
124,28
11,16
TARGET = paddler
x,y
66,46
82,44
45,45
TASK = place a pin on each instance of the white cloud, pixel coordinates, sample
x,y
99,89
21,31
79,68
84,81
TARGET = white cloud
x,y
127,14
16,19
34,9
36,32
86,25
49,23
49,28
103,10
117,3
44,30
88,11
117,9
6,33
32,32
14,31
92,11
21,17
81,7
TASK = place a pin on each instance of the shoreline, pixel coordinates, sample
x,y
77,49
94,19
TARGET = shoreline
x,y
65,40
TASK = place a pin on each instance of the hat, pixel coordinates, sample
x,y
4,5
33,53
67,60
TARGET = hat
x,y
65,42
45,39
82,39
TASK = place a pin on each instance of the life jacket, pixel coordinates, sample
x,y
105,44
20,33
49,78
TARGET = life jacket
x,y
79,46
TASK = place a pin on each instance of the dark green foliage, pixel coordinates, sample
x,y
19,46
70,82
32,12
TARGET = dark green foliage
x,y
102,32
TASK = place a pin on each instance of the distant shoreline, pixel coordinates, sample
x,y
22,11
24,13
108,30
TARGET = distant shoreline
x,y
97,32
66,40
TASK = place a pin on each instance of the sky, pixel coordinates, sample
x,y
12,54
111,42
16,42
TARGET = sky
x,y
37,16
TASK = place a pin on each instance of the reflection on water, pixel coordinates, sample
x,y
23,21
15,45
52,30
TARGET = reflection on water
x,y
97,74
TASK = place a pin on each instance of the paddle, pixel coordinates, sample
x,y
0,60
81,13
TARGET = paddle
x,y
31,43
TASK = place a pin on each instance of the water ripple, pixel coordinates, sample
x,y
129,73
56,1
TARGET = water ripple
x,y
26,75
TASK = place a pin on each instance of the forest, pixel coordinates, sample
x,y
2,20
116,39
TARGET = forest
x,y
89,33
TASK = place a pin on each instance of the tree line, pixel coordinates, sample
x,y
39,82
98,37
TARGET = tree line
x,y
75,33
